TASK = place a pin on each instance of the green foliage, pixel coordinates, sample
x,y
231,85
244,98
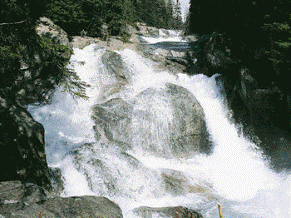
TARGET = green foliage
x,y
56,57
21,49
68,14
159,13
74,85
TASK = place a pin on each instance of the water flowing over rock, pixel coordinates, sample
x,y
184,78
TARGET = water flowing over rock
x,y
152,153
113,121
174,126
258,101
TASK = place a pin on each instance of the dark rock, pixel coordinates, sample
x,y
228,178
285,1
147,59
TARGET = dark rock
x,y
178,60
21,210
19,192
169,212
33,84
85,206
216,51
28,200
57,181
22,155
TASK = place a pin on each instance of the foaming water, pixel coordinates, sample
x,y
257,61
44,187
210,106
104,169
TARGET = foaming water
x,y
164,36
234,174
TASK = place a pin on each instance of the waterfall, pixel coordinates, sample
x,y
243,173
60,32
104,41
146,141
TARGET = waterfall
x,y
142,168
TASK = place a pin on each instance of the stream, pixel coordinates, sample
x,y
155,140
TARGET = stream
x,y
135,158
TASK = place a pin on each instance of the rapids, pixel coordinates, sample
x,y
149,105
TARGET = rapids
x,y
235,174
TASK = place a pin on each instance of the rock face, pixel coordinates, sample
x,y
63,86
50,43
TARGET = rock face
x,y
28,200
170,212
177,124
48,29
22,145
113,121
175,127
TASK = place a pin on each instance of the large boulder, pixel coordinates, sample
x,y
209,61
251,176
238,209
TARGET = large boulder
x,y
166,121
115,66
113,121
145,30
22,155
35,84
28,200
85,207
169,121
19,192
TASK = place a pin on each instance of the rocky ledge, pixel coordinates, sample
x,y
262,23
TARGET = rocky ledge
x,y
19,199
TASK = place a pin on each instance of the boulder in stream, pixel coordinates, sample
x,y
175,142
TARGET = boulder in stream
x,y
168,121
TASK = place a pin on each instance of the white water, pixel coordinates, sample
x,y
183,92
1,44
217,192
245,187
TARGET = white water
x,y
169,36
235,174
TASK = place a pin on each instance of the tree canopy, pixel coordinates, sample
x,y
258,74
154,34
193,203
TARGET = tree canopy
x,y
74,16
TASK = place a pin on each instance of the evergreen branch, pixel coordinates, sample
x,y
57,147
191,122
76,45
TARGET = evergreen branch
x,y
13,23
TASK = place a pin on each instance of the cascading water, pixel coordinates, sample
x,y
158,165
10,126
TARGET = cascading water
x,y
143,170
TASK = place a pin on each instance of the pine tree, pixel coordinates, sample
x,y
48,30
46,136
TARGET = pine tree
x,y
177,16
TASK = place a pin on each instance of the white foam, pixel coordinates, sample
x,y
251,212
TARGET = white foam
x,y
235,174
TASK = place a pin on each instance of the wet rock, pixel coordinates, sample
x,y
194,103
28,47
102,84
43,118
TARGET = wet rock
x,y
168,121
112,172
173,121
169,212
113,121
177,183
115,66
85,207
29,200
190,38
